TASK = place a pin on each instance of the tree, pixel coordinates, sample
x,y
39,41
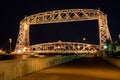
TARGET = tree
x,y
109,47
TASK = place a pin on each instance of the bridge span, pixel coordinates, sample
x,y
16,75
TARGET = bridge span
x,y
64,47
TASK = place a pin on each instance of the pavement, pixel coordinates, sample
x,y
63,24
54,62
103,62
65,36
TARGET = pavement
x,y
81,69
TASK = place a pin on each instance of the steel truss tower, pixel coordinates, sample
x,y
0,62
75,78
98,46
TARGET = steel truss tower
x,y
59,16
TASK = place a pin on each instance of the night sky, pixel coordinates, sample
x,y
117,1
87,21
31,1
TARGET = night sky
x,y
12,12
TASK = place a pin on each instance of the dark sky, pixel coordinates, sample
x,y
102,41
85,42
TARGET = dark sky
x,y
13,11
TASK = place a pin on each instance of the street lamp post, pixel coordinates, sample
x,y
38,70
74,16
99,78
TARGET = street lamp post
x,y
10,41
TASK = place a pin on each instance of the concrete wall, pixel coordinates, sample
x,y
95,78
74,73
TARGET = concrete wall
x,y
12,69
114,61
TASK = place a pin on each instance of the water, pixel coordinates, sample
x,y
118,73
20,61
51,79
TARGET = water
x,y
11,57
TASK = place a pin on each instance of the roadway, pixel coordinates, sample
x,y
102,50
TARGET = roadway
x,y
81,69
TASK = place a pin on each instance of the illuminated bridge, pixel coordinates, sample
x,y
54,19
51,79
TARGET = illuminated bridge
x,y
64,47
59,16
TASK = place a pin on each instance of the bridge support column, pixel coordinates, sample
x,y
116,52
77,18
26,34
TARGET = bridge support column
x,y
23,38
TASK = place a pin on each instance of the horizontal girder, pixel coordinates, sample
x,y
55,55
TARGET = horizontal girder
x,y
66,15
64,47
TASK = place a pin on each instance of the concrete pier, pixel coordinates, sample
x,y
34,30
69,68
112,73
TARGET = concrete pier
x,y
12,69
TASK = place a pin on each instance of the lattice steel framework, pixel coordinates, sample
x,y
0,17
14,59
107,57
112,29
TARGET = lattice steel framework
x,y
59,16
64,47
